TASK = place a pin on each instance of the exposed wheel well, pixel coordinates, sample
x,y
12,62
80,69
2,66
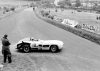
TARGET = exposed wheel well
x,y
26,44
54,48
53,45
26,47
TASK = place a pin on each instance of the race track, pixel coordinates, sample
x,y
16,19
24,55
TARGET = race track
x,y
78,54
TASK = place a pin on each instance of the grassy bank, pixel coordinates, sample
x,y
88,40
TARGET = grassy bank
x,y
82,33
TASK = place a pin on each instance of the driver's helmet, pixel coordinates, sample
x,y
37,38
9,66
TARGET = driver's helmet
x,y
31,38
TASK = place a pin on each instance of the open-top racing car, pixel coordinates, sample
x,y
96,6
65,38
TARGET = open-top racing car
x,y
30,43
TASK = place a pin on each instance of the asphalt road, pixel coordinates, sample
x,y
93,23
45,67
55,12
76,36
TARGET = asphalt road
x,y
78,54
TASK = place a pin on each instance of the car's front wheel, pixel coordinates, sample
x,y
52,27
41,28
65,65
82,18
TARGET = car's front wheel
x,y
53,48
26,48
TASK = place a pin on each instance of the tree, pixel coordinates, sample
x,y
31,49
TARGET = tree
x,y
78,3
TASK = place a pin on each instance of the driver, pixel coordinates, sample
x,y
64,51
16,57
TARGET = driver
x,y
31,39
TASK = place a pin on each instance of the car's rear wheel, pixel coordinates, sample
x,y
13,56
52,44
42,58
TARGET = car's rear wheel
x,y
53,48
26,48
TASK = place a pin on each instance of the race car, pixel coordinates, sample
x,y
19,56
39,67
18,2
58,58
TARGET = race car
x,y
30,43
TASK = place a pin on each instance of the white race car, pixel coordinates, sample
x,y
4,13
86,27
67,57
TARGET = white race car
x,y
28,44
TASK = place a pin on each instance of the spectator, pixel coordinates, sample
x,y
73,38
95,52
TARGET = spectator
x,y
56,10
6,49
97,18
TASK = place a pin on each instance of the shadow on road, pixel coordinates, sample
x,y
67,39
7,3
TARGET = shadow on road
x,y
38,51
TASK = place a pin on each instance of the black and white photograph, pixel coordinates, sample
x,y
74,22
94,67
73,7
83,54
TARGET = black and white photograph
x,y
49,35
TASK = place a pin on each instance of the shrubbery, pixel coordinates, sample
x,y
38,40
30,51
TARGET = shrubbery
x,y
47,14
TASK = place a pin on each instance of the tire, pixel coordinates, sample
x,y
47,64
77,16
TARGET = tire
x,y
54,48
26,48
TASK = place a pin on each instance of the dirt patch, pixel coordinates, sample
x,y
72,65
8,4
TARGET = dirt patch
x,y
19,63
